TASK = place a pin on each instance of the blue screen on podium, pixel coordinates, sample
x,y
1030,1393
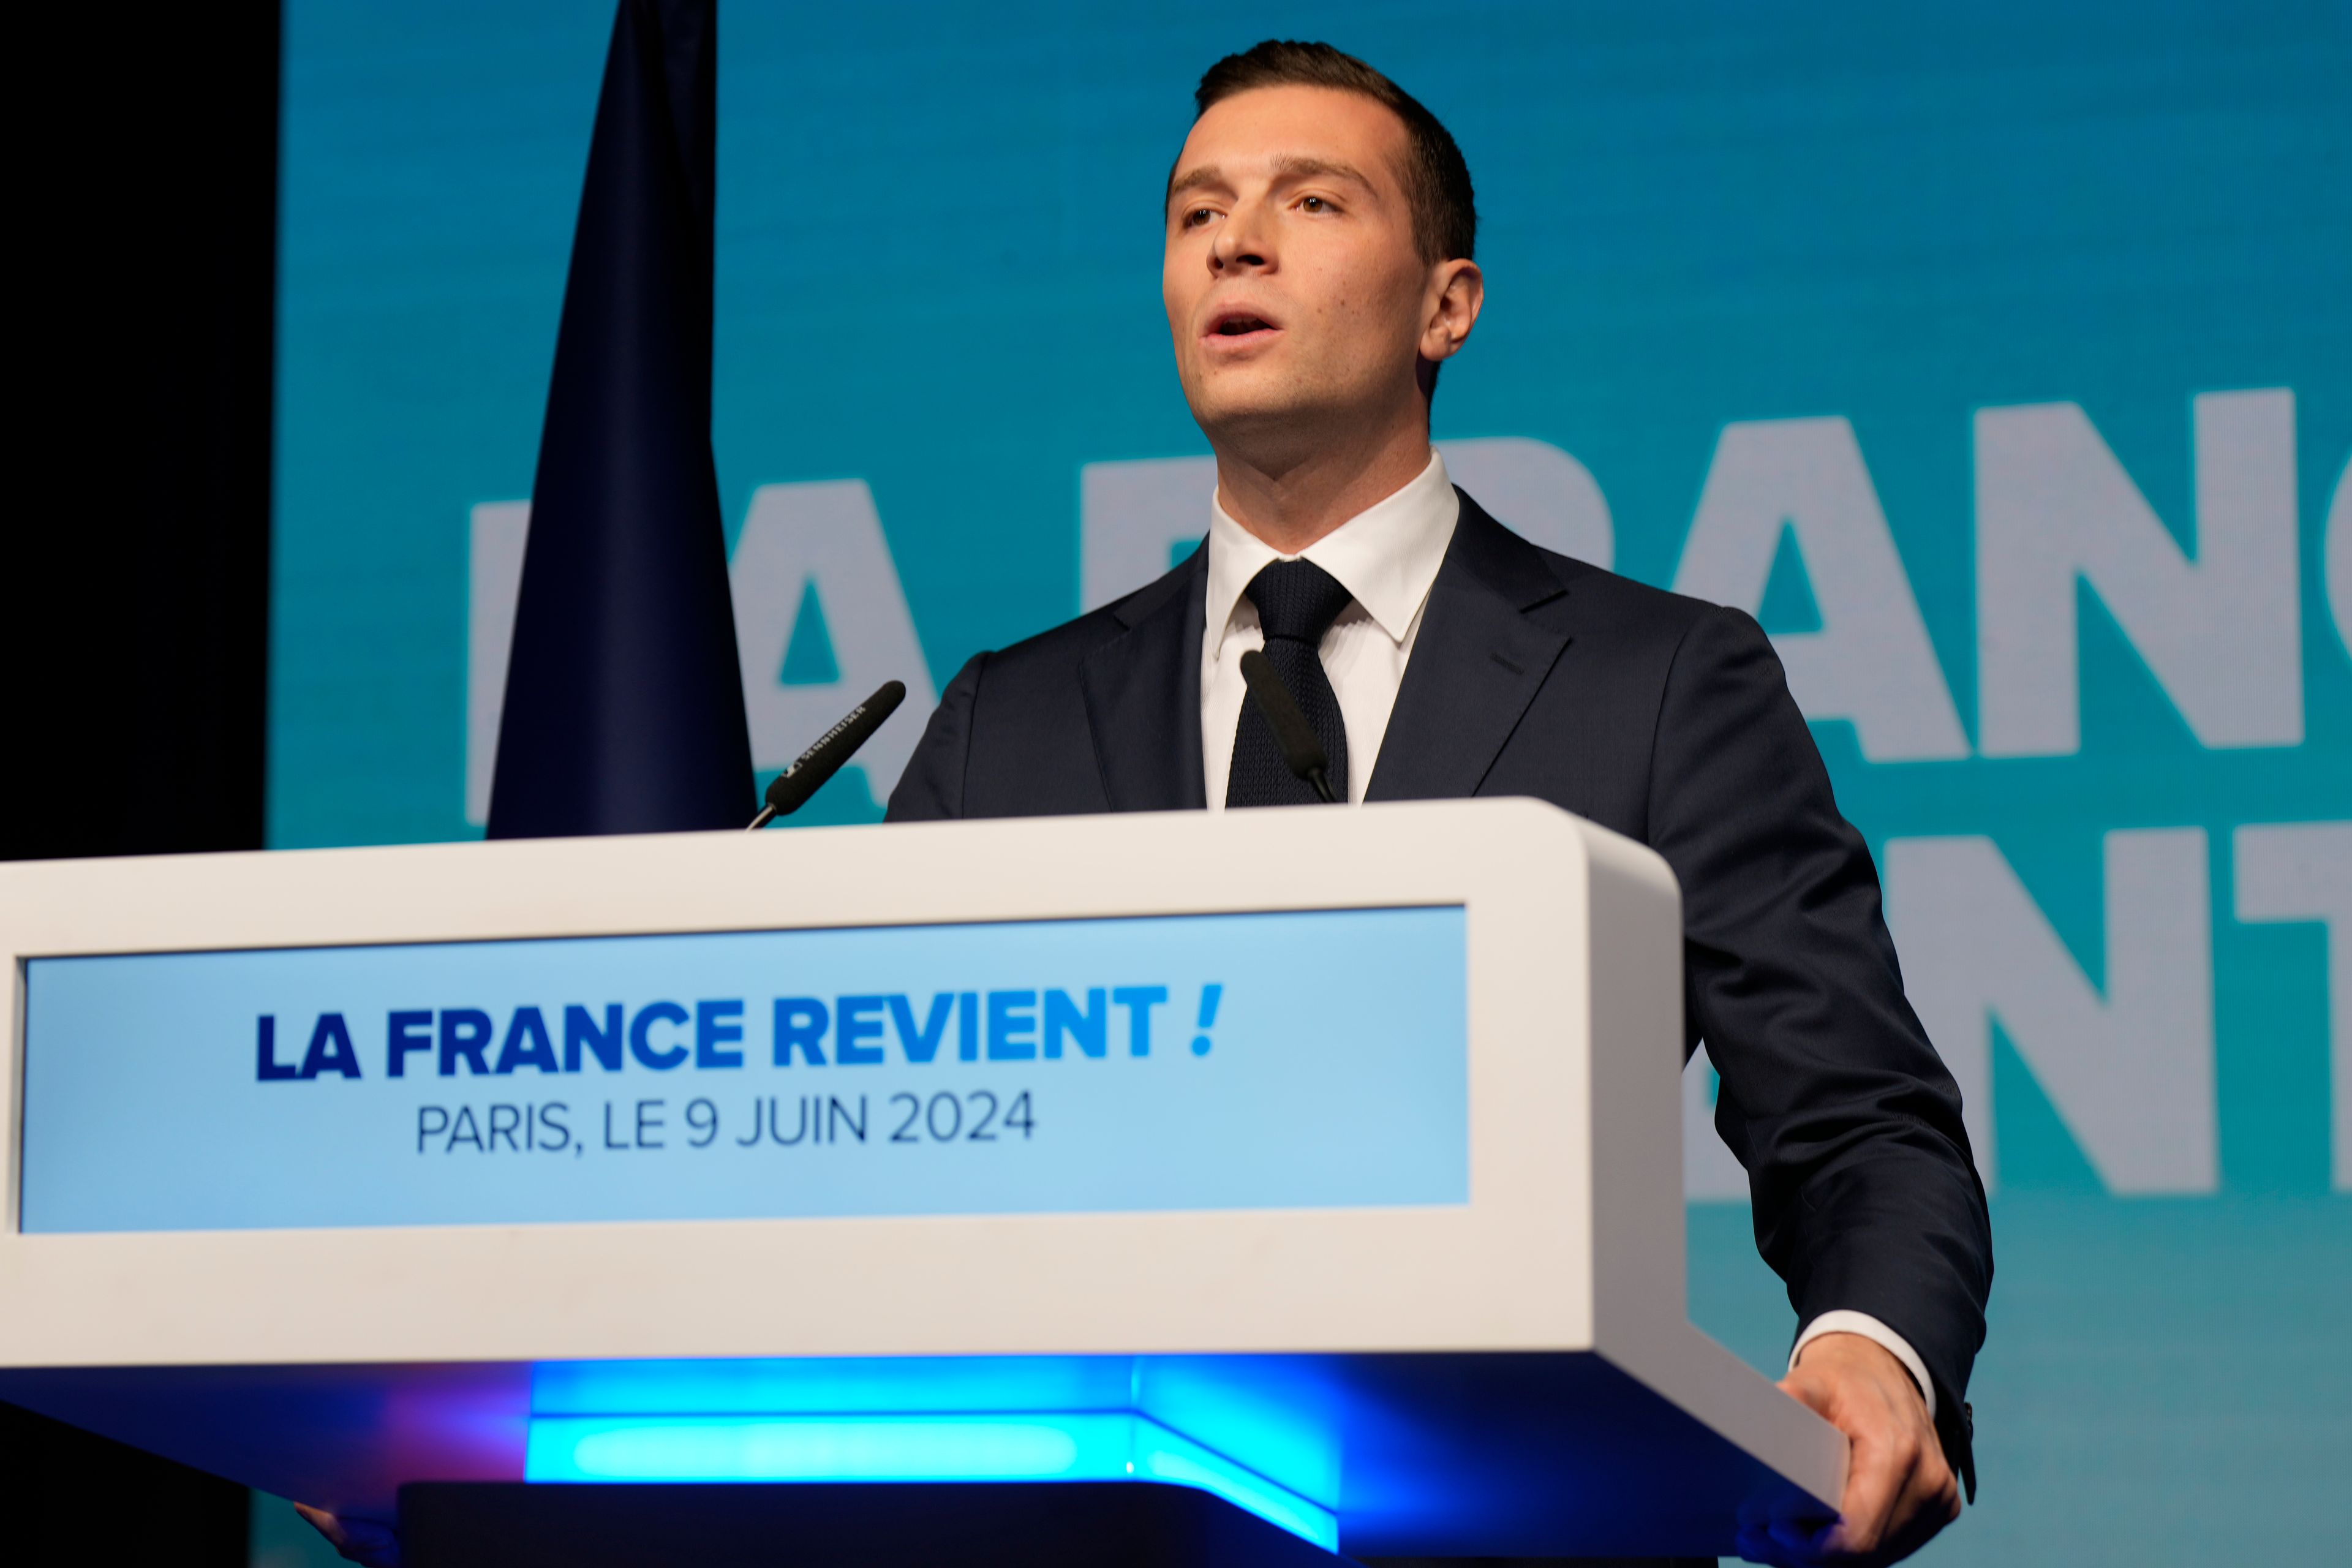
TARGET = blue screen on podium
x,y
1291,1060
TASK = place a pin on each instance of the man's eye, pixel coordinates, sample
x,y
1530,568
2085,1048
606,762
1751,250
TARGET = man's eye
x,y
1196,217
1315,205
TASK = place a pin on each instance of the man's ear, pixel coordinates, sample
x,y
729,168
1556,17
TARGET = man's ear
x,y
1457,291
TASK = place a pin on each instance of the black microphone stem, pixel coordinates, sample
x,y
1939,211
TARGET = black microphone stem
x,y
791,789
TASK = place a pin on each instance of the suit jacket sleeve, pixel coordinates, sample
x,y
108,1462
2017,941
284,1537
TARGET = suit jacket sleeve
x,y
932,789
1865,1195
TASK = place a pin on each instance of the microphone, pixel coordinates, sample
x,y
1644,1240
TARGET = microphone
x,y
791,789
1293,737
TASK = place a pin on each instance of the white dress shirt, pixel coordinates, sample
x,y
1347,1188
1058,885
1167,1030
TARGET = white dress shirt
x,y
1387,557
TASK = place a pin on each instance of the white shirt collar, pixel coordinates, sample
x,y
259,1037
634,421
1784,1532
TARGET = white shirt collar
x,y
1386,556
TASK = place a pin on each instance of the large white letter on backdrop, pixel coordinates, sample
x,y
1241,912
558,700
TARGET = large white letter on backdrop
x,y
1871,662
2302,871
2222,634
826,537
2131,1073
1137,518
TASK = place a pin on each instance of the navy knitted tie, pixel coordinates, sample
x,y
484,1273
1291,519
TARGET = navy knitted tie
x,y
1297,602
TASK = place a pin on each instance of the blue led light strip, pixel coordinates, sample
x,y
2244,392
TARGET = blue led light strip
x,y
1023,1447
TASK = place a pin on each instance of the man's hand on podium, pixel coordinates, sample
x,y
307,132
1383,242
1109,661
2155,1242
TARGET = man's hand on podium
x,y
1898,1491
362,1540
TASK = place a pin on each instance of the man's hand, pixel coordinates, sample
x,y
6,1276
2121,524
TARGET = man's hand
x,y
361,1541
1898,1491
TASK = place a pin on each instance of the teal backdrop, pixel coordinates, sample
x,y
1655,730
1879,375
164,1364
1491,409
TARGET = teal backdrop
x,y
1997,357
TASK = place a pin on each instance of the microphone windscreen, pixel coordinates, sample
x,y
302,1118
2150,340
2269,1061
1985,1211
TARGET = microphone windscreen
x,y
1302,749
791,789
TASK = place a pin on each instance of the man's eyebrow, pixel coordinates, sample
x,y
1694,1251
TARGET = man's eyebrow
x,y
1308,168
1194,178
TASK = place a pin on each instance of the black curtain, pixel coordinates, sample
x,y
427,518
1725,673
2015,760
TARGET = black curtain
x,y
137,556
134,576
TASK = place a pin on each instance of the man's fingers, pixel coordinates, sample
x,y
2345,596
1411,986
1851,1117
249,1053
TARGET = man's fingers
x,y
1929,1501
1883,1462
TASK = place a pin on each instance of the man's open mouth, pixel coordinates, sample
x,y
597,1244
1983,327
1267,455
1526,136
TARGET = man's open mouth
x,y
1238,324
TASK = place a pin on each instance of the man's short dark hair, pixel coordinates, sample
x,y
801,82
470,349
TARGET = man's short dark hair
x,y
1436,179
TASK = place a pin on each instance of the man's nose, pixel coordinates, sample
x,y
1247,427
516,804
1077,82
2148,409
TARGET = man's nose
x,y
1245,241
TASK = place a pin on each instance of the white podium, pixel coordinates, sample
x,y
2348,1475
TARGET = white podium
x,y
1346,1187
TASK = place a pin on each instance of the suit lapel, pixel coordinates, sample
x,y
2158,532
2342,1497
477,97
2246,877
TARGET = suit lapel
x,y
1477,664
1143,695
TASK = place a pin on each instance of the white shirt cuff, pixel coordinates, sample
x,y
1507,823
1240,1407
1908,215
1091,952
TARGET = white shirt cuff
x,y
1878,1333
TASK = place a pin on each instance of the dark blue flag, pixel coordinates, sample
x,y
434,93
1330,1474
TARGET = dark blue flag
x,y
625,703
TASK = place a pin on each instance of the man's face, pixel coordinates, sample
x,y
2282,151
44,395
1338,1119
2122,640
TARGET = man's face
x,y
1294,292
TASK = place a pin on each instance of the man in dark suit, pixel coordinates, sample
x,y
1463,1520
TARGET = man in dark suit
x,y
1319,230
